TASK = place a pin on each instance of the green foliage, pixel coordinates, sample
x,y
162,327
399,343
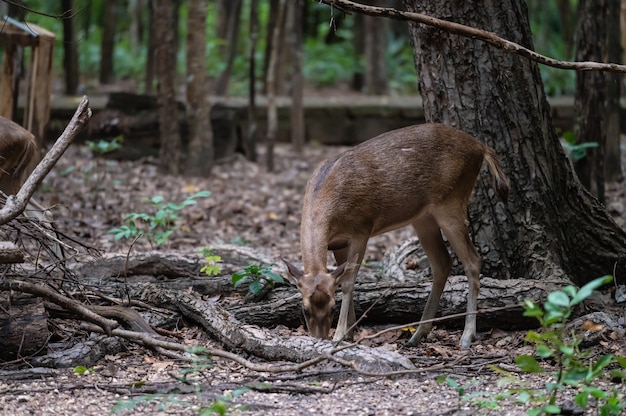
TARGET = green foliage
x,y
574,367
210,268
575,151
102,147
576,371
257,276
158,225
82,370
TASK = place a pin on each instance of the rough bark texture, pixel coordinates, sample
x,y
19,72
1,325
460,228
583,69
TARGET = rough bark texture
x,y
200,153
165,59
551,224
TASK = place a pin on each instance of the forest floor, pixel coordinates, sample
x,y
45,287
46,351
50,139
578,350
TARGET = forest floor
x,y
250,206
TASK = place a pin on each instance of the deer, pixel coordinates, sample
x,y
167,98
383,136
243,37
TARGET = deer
x,y
421,175
19,155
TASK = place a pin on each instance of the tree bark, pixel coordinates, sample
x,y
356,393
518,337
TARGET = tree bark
x,y
70,49
149,82
165,58
551,225
294,41
109,20
591,91
199,160
228,30
272,116
613,154
249,141
376,80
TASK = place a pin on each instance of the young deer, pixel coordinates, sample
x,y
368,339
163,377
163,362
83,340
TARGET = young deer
x,y
19,155
420,175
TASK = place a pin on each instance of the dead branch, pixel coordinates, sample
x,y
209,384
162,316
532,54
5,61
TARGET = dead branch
x,y
71,305
471,32
16,204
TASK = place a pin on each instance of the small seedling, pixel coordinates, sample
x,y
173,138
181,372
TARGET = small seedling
x,y
156,226
82,370
102,147
211,268
257,276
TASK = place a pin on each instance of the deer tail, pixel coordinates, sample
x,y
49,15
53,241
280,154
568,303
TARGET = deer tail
x,y
500,181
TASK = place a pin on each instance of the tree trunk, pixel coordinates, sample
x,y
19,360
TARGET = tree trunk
x,y
249,140
149,86
376,80
272,116
165,59
591,92
613,159
231,11
550,225
294,41
70,49
109,20
199,160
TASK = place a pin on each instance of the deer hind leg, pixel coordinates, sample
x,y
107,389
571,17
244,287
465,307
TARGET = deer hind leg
x,y
453,225
347,316
430,238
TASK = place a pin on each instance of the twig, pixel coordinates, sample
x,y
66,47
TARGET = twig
x,y
471,32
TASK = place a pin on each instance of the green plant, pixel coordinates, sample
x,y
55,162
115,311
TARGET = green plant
x,y
82,370
575,151
102,147
257,276
211,259
158,225
574,369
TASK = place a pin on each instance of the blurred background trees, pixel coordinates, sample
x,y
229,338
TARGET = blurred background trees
x,y
113,42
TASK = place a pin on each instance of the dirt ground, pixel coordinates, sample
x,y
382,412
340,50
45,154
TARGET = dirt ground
x,y
251,206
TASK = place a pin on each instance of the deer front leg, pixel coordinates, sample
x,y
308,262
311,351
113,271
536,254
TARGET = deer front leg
x,y
347,316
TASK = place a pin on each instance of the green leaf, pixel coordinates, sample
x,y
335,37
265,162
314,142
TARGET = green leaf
x,y
558,298
274,277
157,199
544,351
552,409
239,278
523,397
588,289
256,286
528,364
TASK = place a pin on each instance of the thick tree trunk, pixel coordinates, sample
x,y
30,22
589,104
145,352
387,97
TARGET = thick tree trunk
x,y
551,225
200,153
165,59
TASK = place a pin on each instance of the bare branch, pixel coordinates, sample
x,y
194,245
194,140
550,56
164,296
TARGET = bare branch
x,y
470,32
15,204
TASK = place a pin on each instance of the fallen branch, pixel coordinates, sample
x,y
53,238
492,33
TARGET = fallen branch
x,y
15,204
471,32
69,304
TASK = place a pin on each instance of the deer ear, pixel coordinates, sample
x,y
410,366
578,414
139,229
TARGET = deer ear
x,y
347,271
294,274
